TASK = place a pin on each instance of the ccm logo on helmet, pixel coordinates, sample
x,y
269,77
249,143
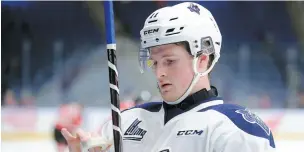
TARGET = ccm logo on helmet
x,y
151,31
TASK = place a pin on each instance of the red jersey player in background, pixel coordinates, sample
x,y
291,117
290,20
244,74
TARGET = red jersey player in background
x,y
70,117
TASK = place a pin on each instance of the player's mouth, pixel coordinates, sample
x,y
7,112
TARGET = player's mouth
x,y
165,86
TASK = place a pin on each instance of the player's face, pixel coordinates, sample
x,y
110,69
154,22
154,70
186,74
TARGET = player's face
x,y
172,65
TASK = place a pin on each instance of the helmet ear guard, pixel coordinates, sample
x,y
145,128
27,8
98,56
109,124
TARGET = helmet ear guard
x,y
207,46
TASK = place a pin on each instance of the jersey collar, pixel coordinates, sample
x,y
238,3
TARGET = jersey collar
x,y
198,100
195,99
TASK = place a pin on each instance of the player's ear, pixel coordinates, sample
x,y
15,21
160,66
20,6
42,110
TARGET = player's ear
x,y
202,63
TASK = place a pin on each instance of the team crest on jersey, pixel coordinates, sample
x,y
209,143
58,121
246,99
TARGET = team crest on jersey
x,y
134,132
194,8
253,118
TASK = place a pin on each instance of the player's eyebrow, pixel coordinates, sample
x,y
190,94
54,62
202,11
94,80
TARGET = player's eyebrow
x,y
163,56
168,55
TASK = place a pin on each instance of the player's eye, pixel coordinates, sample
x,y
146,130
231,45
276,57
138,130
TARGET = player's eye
x,y
169,62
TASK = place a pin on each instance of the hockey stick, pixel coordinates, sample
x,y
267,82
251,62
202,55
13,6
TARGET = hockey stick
x,y
113,74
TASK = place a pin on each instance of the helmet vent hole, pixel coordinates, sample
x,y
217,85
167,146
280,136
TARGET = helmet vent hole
x,y
172,33
153,15
156,14
173,19
152,21
181,28
170,30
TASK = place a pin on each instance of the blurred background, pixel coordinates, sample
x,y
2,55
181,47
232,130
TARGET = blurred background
x,y
53,53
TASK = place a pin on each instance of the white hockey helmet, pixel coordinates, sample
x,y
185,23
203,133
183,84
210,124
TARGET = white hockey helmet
x,y
188,22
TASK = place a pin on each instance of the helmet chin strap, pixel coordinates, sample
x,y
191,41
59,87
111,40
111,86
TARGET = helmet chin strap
x,y
195,79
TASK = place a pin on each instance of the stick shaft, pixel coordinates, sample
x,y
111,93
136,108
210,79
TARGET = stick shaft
x,y
113,75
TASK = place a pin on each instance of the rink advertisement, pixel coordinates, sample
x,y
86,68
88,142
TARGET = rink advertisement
x,y
38,123
26,123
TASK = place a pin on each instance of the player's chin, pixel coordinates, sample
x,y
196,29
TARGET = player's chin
x,y
169,97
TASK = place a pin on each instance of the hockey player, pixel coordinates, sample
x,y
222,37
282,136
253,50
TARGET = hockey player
x,y
182,44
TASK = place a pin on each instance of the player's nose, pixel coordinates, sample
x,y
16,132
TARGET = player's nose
x,y
160,72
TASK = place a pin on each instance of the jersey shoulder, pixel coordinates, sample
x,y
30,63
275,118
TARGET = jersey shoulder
x,y
244,119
